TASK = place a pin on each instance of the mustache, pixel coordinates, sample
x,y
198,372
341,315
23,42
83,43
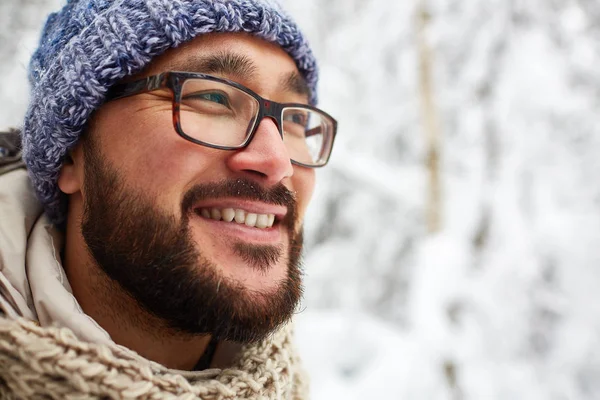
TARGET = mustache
x,y
243,189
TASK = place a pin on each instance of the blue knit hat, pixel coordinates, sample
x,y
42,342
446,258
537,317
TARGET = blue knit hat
x,y
90,45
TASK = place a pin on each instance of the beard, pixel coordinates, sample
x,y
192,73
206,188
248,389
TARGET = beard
x,y
153,258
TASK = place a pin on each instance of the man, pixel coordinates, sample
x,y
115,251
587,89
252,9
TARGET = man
x,y
171,148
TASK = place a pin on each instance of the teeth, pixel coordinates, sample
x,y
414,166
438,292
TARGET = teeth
x,y
261,221
228,214
215,214
251,219
240,216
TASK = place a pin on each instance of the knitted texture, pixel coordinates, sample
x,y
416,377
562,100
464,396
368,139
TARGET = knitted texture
x,y
51,363
92,44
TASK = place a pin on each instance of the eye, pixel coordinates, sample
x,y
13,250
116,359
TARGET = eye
x,y
213,97
299,118
217,98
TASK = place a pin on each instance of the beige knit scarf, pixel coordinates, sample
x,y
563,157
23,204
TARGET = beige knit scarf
x,y
51,363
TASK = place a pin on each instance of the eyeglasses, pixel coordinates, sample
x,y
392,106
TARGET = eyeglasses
x,y
223,114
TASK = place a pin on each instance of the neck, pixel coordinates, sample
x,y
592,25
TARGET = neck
x,y
127,323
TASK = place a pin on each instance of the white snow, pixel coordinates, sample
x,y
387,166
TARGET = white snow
x,y
503,302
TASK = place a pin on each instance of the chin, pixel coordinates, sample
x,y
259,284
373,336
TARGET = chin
x,y
263,278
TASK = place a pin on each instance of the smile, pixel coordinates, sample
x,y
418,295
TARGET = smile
x,y
239,216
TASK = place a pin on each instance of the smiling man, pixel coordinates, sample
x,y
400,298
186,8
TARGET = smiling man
x,y
153,248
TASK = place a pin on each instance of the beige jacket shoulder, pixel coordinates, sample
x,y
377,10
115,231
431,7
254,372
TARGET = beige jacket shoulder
x,y
33,284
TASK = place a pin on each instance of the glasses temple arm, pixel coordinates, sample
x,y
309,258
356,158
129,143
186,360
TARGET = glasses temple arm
x,y
314,131
136,87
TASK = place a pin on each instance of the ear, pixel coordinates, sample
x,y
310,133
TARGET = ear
x,y
70,180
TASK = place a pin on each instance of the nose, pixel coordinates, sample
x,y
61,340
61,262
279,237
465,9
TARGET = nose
x,y
265,157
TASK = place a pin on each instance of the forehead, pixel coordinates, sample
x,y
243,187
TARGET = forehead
x,y
241,57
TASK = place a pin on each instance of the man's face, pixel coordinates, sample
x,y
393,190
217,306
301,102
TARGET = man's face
x,y
148,194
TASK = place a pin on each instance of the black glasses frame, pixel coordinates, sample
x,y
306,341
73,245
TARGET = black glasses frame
x,y
174,81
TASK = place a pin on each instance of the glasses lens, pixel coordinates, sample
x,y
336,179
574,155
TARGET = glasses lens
x,y
308,135
216,113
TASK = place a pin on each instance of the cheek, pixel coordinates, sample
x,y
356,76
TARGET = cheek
x,y
150,156
131,138
304,185
144,149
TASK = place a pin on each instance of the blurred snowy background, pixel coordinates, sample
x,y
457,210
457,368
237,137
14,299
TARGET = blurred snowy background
x,y
454,240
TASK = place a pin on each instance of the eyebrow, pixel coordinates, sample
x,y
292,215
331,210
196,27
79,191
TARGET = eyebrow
x,y
237,66
224,63
296,84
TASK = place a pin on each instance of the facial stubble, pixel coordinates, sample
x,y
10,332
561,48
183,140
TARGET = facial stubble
x,y
152,257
